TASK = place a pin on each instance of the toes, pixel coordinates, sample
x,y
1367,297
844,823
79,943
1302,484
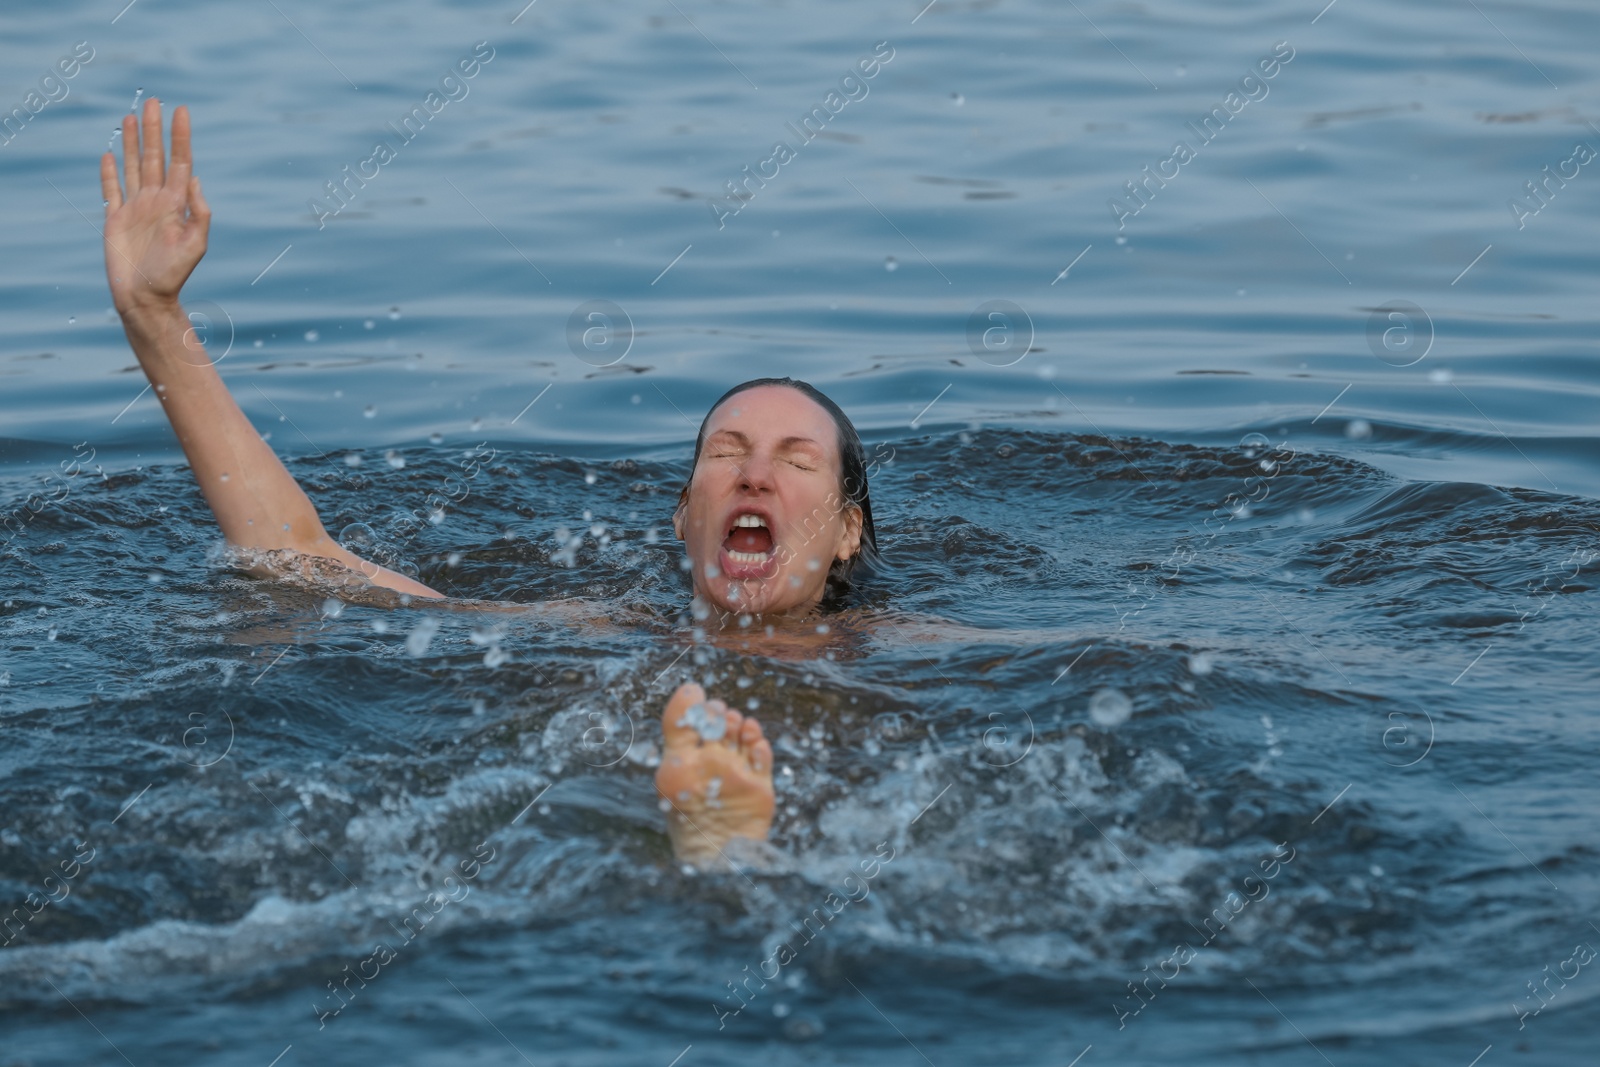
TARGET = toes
x,y
761,758
735,726
749,734
675,729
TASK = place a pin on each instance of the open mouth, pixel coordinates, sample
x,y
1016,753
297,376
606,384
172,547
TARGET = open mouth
x,y
749,541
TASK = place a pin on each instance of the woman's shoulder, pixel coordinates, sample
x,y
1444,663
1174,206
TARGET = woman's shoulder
x,y
888,626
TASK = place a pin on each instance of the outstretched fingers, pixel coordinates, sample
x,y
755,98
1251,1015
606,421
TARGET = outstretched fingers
x,y
199,210
130,153
182,157
152,153
110,188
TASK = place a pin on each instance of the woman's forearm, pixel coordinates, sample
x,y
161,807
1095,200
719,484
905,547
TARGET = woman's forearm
x,y
256,500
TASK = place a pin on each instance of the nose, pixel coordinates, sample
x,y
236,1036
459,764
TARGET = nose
x,y
756,473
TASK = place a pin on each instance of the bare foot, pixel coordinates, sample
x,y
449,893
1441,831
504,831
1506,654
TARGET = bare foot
x,y
715,778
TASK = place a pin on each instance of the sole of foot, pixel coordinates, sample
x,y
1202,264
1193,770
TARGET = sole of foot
x,y
715,777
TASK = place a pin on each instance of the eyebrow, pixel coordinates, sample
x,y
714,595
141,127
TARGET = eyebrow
x,y
787,442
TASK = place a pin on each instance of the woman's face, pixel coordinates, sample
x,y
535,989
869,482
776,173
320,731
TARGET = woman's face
x,y
764,517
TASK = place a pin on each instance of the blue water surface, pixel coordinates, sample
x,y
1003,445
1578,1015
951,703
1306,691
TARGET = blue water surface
x,y
1284,437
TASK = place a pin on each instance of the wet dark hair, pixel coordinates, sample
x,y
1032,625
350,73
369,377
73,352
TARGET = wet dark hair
x,y
852,476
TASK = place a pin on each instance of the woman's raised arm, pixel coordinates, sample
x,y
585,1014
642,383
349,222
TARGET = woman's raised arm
x,y
155,235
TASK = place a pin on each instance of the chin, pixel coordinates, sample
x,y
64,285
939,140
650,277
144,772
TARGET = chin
x,y
753,596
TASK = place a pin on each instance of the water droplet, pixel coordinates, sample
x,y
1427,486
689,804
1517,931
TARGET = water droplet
x,y
589,478
418,640
1121,240
353,459
705,722
1110,707
957,99
369,324
890,264
332,608
71,319
312,335
1441,375
1239,292
436,438
1200,663
258,342
370,411
224,477
394,313
50,634
1356,429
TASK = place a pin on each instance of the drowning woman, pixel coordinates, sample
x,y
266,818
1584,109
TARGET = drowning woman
x,y
774,519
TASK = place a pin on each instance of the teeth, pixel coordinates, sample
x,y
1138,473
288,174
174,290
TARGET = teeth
x,y
749,522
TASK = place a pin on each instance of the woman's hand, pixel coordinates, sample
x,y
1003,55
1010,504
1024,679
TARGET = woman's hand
x,y
155,235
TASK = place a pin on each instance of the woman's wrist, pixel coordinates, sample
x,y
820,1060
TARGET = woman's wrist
x,y
146,311
163,337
